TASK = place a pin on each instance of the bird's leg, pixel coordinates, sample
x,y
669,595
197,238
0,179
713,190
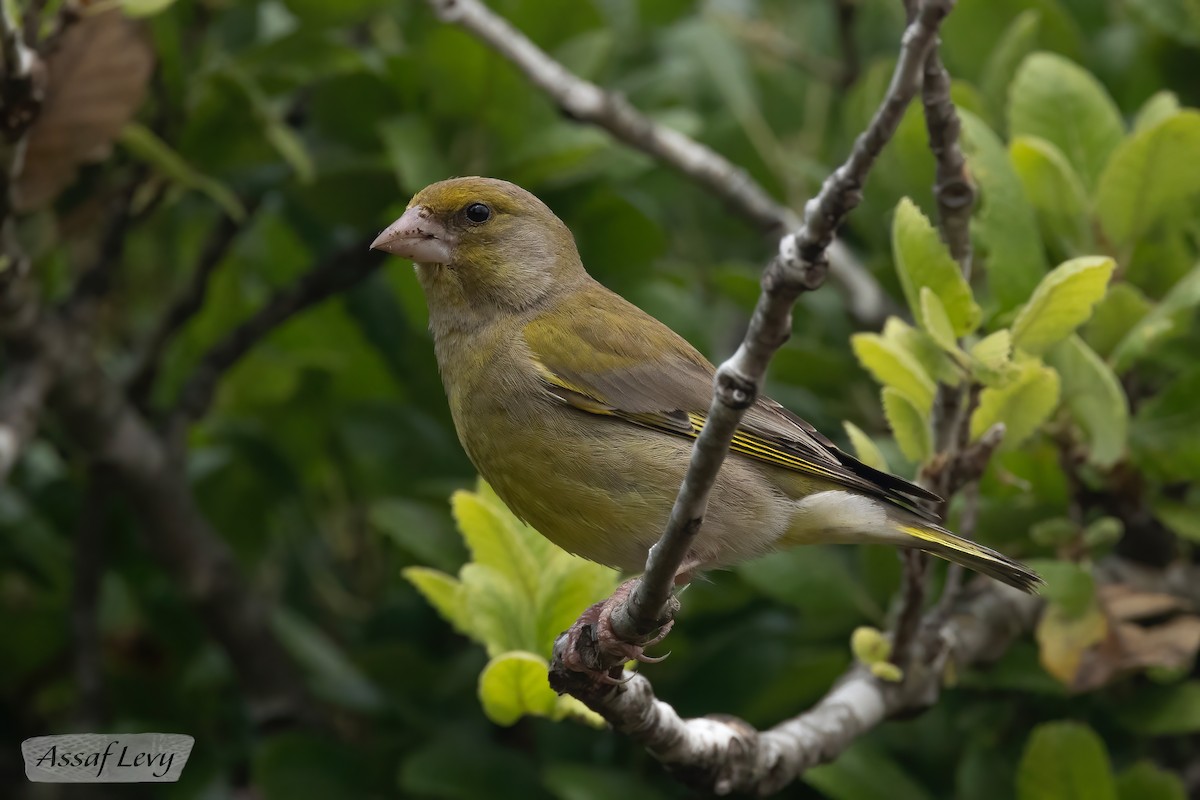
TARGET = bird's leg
x,y
592,645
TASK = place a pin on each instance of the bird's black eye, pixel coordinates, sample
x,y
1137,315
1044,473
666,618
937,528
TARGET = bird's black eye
x,y
478,213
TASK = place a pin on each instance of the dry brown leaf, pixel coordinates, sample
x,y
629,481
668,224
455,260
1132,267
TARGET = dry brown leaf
x,y
1086,655
1126,603
97,79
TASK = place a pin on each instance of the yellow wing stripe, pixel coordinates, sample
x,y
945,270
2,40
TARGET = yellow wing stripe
x,y
947,539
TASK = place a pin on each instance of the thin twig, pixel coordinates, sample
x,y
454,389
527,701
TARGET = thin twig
x,y
186,306
801,266
337,273
587,102
955,197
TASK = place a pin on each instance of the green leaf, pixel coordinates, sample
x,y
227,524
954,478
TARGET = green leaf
x,y
1122,307
1069,586
1055,190
1010,244
934,360
1165,431
1017,42
1022,404
413,150
1061,303
1152,172
145,145
442,592
1179,19
865,449
501,617
1092,393
922,260
993,354
893,366
333,676
1166,319
1181,518
1161,105
936,321
1145,781
1055,99
908,424
492,535
1164,711
1065,761
865,773
515,684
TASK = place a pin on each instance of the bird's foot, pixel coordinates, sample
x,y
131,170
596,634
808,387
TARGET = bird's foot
x,y
591,645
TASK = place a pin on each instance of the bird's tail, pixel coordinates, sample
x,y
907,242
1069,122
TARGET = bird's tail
x,y
940,542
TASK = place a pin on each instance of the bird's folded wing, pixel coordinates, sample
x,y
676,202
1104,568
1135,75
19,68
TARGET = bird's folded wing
x,y
631,367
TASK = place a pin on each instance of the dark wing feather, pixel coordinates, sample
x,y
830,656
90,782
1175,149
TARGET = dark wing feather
x,y
623,363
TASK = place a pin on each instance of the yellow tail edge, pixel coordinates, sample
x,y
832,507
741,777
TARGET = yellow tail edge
x,y
972,555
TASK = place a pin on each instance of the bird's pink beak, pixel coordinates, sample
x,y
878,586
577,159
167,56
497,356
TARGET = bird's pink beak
x,y
417,235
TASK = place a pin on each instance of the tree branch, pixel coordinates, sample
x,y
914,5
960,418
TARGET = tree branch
x,y
586,102
337,273
801,266
725,754
186,306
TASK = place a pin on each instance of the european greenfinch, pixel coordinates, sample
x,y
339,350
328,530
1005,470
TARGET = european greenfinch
x,y
580,409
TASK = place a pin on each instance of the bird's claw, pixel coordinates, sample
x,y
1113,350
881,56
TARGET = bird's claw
x,y
593,647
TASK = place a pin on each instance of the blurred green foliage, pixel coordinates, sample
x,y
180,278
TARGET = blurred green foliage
x,y
329,457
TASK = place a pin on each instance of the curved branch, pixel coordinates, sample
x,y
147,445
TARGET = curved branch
x,y
801,266
586,102
725,754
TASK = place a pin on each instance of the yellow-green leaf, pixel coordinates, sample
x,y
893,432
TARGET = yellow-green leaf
x,y
934,360
1153,171
1147,781
515,684
1059,101
1061,303
1161,105
492,537
993,351
908,424
922,260
500,616
1092,393
865,448
442,592
1022,404
936,321
893,366
1055,190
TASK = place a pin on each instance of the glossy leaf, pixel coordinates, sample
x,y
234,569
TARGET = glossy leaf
x,y
922,261
1150,173
1055,99
1061,303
